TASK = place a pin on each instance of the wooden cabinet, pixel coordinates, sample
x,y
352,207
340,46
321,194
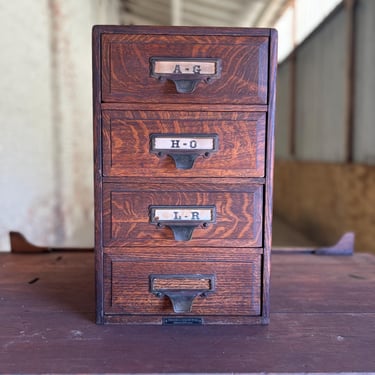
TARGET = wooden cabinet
x,y
183,135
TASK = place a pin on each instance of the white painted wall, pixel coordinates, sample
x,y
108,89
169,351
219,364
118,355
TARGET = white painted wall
x,y
46,119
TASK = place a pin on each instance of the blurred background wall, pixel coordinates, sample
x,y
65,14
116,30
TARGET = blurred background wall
x,y
45,118
325,132
325,129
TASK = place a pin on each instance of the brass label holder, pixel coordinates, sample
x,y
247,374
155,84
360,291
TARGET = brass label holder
x,y
184,149
182,220
182,297
185,73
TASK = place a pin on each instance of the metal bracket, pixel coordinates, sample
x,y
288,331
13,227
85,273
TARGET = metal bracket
x,y
182,298
345,246
182,220
184,149
185,73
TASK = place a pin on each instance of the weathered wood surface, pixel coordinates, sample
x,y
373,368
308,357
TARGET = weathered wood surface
x,y
322,320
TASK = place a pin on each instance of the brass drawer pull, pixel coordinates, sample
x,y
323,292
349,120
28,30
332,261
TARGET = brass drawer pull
x,y
185,73
182,220
184,149
182,289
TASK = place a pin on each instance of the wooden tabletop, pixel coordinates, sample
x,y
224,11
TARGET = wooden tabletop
x,y
322,320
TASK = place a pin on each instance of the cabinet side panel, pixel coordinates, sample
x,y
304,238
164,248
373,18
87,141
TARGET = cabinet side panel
x,y
269,174
96,68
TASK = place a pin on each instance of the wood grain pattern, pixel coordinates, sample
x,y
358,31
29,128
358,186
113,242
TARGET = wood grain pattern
x,y
126,68
127,290
216,183
238,216
126,143
183,254
197,107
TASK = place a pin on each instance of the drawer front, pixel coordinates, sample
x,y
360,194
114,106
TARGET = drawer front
x,y
183,288
236,145
163,215
127,68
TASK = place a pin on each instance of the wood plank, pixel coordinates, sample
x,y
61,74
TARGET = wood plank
x,y
46,283
291,343
323,284
322,320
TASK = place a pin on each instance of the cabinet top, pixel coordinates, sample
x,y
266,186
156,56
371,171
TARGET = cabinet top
x,y
183,30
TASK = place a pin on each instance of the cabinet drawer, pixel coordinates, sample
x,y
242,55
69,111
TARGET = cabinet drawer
x,y
127,68
141,287
222,216
236,144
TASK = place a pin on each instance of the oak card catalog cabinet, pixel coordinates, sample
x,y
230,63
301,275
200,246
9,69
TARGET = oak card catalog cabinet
x,y
183,133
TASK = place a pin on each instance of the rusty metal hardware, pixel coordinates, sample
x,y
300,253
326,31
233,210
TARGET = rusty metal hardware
x,y
182,220
182,298
185,73
184,149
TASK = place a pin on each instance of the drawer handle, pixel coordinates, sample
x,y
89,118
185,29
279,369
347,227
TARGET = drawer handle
x,y
182,220
184,149
182,289
185,73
